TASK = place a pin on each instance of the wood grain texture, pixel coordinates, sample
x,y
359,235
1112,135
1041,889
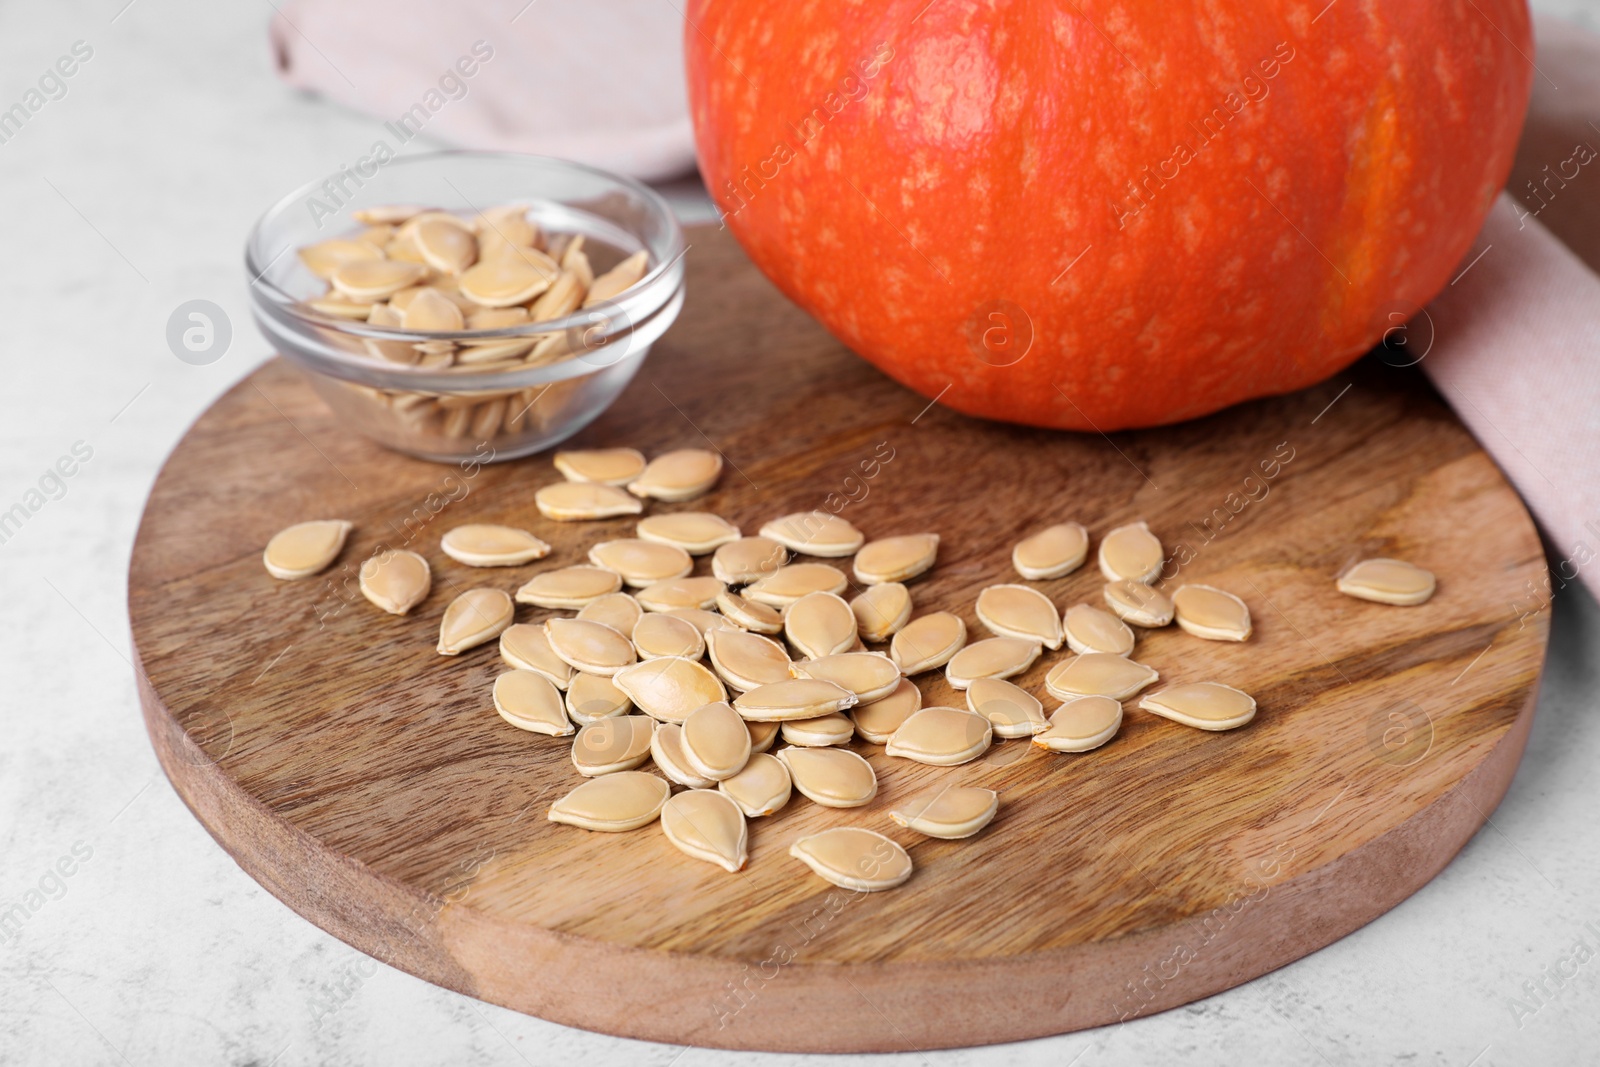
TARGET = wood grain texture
x,y
367,782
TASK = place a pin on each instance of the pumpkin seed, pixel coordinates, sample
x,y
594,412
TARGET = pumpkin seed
x,y
950,812
820,624
604,466
618,278
679,475
1052,552
747,661
748,614
942,737
376,236
798,698
762,734
617,610
617,743
869,675
853,858
569,587
591,697
573,501
1101,674
374,279
529,702
696,532
488,545
835,729
832,777
506,226
896,559
881,610
386,214
700,619
994,657
476,616
525,647
1020,611
748,559
618,802
709,826
716,743
928,642
325,257
1131,552
669,689
815,533
306,548
762,788
1210,613
666,748
592,647
501,281
338,307
1203,705
1010,709
501,319
575,261
673,593
1089,629
396,580
431,311
656,635
641,562
1081,724
1137,603
564,296
1387,581
878,719
788,584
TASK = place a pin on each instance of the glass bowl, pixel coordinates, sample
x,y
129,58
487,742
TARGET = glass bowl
x,y
446,413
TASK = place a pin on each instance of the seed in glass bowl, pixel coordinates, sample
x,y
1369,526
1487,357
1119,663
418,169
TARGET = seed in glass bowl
x,y
815,533
1131,552
1019,611
445,246
396,580
501,281
1211,613
853,858
306,548
476,616
1139,604
1388,581
618,278
1052,552
679,475
490,545
578,501
896,559
1081,724
615,803
326,257
431,311
375,279
949,812
605,466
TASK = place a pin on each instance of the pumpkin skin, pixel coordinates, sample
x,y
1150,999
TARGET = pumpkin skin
x,y
1105,215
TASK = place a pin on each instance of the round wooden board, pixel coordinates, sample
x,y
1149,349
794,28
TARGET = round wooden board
x,y
367,782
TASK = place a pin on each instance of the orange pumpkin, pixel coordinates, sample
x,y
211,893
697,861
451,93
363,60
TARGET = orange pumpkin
x,y
1098,215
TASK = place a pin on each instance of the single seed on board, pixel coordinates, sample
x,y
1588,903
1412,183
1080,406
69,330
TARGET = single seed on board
x,y
1081,724
1387,581
1139,604
618,278
942,737
525,647
798,698
617,610
748,614
709,826
326,257
396,580
605,466
745,660
641,562
877,720
928,642
1098,674
666,749
1132,552
476,616
656,635
896,559
529,702
617,743
762,734
1010,709
701,619
881,610
869,675
374,279
853,858
306,548
815,533
762,788
788,584
832,777
591,697
835,729
673,593
679,475
1203,705
995,657
1091,629
696,532
820,624
669,689
569,587
1211,613
1052,552
615,803
1019,611
579,501
951,812
505,280
716,742
489,545
592,647
748,559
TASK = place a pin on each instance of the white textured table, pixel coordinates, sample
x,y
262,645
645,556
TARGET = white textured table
x,y
130,194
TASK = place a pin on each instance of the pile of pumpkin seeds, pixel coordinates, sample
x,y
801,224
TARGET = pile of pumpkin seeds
x,y
703,676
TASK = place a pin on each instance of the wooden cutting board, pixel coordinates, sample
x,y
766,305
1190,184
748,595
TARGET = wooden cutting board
x,y
367,782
